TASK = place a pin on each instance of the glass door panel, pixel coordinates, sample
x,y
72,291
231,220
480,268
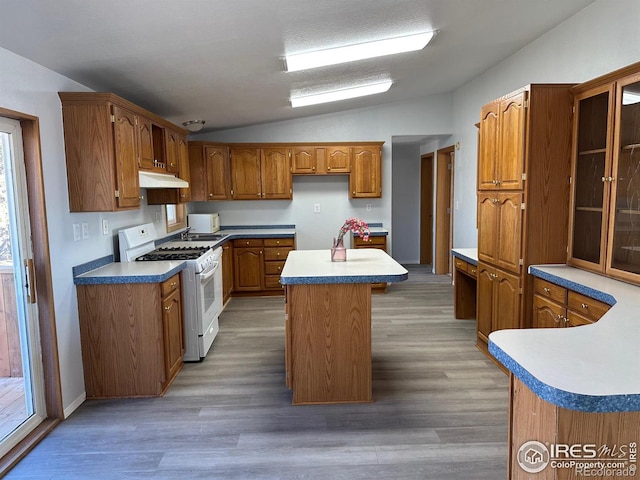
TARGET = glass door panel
x,y
625,252
589,218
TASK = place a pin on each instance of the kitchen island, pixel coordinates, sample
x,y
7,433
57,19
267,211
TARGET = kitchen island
x,y
328,323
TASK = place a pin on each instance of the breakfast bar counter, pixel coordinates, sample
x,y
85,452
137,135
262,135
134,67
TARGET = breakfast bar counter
x,y
328,322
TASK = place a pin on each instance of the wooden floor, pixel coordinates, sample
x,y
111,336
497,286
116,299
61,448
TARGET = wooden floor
x,y
13,411
440,409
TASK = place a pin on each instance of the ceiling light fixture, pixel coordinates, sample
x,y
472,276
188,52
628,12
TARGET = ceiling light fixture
x,y
343,94
360,51
194,125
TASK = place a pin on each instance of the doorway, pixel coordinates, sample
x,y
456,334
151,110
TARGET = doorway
x,y
27,326
426,209
444,209
21,381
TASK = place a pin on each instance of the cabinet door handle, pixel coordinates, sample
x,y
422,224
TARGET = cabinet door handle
x,y
546,290
473,270
210,195
173,284
168,308
584,305
559,317
495,200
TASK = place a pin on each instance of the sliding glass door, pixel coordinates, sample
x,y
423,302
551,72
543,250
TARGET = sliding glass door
x,y
22,405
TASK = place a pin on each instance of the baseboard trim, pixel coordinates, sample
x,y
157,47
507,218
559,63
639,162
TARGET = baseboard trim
x,y
74,405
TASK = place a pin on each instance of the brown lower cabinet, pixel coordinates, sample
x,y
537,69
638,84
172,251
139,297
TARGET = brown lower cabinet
x,y
556,306
379,242
131,347
257,264
498,302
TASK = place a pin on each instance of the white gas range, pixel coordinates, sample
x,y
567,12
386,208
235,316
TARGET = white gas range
x,y
201,282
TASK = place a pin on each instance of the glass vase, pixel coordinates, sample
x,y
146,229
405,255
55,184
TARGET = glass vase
x,y
338,252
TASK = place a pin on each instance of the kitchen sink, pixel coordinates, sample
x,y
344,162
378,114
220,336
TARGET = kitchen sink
x,y
209,237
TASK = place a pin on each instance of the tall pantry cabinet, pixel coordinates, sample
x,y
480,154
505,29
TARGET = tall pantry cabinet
x,y
524,160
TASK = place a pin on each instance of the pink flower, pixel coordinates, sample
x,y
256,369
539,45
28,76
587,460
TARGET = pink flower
x,y
356,226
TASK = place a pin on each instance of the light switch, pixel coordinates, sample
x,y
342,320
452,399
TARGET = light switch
x,y
105,227
77,233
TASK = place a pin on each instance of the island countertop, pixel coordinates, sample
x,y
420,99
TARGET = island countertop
x,y
363,265
591,368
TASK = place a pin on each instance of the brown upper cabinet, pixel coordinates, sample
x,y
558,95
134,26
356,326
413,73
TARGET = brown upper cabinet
x,y
107,139
502,123
320,160
210,172
605,207
264,171
178,152
365,180
260,173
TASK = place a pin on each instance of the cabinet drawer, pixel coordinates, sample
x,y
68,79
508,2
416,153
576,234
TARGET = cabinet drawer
x,y
170,285
276,253
550,290
587,307
278,242
273,268
472,270
374,242
248,242
272,282
461,265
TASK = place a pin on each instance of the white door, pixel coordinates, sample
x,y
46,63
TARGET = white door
x,y
22,405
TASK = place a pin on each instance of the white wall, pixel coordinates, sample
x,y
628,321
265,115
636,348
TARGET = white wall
x,y
601,38
30,88
405,208
429,114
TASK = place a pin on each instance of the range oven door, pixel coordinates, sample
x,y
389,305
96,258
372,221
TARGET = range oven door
x,y
209,305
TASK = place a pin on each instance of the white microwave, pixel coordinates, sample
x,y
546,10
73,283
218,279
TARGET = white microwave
x,y
203,222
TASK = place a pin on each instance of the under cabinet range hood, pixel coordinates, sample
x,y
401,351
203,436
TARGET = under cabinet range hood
x,y
160,180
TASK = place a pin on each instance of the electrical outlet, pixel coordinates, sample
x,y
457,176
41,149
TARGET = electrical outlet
x,y
105,227
316,208
77,233
368,207
85,230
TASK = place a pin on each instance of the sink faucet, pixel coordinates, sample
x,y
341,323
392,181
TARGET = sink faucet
x,y
184,235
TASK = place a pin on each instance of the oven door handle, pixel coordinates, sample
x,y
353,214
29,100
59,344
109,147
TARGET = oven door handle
x,y
207,274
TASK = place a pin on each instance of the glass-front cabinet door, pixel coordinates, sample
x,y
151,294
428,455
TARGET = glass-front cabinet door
x,y
590,187
624,245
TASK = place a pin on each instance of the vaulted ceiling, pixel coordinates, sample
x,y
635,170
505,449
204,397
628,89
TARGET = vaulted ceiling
x,y
221,61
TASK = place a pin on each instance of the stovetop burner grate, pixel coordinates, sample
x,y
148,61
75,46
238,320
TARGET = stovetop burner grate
x,y
173,253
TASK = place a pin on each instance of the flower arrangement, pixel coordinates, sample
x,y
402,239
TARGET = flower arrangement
x,y
356,226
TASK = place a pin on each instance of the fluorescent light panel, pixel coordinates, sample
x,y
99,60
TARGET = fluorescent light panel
x,y
351,53
342,94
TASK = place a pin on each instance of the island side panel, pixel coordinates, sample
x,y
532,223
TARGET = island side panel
x,y
534,419
330,343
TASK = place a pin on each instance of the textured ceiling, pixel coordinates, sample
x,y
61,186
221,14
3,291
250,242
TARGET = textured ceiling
x,y
221,61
